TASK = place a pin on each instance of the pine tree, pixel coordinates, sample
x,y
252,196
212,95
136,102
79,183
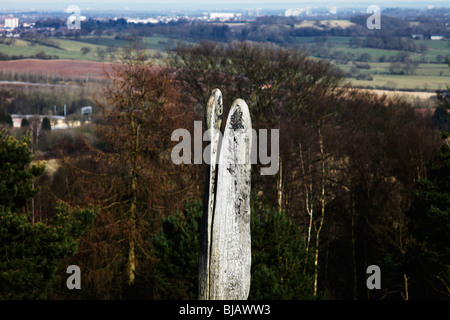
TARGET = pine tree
x,y
281,267
30,252
16,174
46,125
278,256
431,218
24,123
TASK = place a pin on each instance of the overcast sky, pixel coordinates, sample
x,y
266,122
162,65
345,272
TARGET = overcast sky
x,y
208,4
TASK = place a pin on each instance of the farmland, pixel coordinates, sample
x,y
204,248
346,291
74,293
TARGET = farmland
x,y
426,77
431,74
99,48
56,68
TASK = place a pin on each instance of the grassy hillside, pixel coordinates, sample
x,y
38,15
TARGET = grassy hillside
x,y
71,49
428,76
434,74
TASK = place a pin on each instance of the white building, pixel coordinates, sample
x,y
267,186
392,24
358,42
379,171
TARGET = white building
x,y
11,23
295,12
221,15
144,21
57,122
437,37
417,36
250,12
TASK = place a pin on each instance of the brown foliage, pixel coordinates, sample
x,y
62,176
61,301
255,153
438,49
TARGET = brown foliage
x,y
129,174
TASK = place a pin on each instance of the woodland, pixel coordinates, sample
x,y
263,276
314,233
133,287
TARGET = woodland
x,y
363,180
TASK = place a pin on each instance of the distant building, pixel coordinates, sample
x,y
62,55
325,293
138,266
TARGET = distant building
x,y
294,12
437,37
11,23
417,36
144,21
250,12
13,35
58,122
221,15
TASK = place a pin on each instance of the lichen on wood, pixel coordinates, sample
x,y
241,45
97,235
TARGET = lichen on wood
x,y
225,253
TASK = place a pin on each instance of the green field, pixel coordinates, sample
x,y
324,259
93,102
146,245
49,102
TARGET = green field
x,y
435,48
424,69
428,76
71,49
402,82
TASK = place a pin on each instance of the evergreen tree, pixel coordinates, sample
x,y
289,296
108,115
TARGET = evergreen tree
x,y
16,174
278,257
176,246
7,119
431,218
441,116
5,102
281,267
46,125
24,123
30,252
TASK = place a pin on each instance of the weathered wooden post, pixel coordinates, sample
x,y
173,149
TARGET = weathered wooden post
x,y
225,254
213,119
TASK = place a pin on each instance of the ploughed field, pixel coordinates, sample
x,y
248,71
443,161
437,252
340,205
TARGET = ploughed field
x,y
56,68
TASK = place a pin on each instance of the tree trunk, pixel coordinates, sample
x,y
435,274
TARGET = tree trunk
x,y
406,297
131,263
132,219
133,206
309,206
322,209
355,277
